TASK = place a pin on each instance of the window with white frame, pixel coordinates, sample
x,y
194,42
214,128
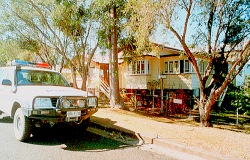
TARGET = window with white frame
x,y
166,67
172,67
186,67
202,66
176,67
139,67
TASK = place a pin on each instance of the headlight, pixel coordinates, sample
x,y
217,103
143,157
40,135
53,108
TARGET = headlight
x,y
66,103
92,102
43,103
81,103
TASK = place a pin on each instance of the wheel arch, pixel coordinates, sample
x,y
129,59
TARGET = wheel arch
x,y
15,106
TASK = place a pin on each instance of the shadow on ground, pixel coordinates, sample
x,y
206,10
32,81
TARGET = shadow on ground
x,y
96,138
107,128
6,119
76,142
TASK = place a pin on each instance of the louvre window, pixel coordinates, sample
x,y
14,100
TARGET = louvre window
x,y
139,67
172,67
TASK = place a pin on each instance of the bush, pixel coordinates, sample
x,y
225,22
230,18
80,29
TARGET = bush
x,y
247,113
238,98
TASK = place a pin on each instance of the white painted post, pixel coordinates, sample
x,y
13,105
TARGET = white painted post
x,y
237,116
153,105
162,88
161,95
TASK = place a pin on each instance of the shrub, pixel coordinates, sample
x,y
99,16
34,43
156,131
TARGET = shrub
x,y
239,97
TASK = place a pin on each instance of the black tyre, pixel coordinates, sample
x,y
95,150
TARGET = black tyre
x,y
85,124
82,128
22,128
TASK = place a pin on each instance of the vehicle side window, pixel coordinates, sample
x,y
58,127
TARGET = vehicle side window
x,y
5,74
8,74
2,75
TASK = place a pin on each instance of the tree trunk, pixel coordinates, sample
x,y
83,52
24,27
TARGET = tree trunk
x,y
204,116
84,82
84,76
205,106
74,77
114,79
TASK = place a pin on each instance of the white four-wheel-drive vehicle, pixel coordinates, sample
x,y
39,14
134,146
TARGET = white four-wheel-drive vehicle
x,y
35,96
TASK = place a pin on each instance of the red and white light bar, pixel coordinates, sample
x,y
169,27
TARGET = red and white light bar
x,y
33,64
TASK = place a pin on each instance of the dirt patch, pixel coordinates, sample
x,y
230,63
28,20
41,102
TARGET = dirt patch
x,y
226,140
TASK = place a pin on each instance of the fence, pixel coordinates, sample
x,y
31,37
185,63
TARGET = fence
x,y
173,101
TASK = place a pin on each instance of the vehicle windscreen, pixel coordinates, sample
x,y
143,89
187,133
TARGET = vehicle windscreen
x,y
37,77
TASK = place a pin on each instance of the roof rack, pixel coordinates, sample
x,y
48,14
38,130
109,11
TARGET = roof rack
x,y
32,64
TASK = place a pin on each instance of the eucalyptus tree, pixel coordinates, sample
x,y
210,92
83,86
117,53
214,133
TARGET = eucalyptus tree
x,y
58,31
218,29
77,21
111,35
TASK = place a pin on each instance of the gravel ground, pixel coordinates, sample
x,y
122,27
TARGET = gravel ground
x,y
233,145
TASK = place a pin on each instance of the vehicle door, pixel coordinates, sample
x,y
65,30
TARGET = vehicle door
x,y
6,94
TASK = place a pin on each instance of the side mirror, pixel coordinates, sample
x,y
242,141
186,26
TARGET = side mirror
x,y
6,82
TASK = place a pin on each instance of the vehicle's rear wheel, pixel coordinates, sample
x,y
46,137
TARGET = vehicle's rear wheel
x,y
22,128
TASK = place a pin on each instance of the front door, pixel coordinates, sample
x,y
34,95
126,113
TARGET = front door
x,y
105,72
7,96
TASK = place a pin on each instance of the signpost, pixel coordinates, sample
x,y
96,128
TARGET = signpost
x,y
177,101
162,77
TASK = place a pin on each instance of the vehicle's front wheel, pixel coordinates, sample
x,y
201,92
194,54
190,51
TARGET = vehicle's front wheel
x,y
85,124
82,127
22,127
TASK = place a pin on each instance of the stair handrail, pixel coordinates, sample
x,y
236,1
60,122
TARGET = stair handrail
x,y
104,87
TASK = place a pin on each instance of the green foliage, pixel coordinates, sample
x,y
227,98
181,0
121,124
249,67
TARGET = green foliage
x,y
247,83
29,44
8,51
142,23
127,42
239,97
129,47
238,22
71,19
103,14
